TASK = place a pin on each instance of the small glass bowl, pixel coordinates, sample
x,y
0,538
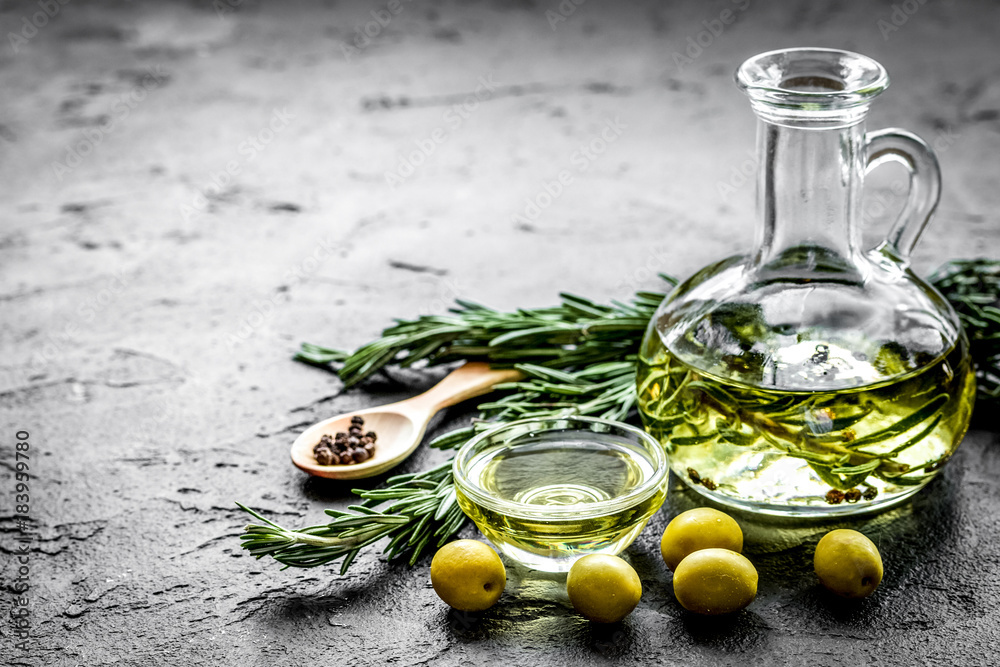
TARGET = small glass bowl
x,y
548,491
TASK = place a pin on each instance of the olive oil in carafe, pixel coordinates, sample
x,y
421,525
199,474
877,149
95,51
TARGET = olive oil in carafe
x,y
772,450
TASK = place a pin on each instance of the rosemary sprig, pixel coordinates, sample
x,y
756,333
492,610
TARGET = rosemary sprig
x,y
424,509
574,334
973,288
578,357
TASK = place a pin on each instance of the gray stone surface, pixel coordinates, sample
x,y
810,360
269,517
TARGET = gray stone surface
x,y
151,302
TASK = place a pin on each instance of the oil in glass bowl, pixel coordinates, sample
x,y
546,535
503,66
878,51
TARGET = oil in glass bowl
x,y
794,452
546,492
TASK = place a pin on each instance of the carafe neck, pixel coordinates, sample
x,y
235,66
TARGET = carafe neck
x,y
808,197
811,106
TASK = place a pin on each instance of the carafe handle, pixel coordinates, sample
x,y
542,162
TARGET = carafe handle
x,y
913,153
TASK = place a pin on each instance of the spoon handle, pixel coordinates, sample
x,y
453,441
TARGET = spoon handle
x,y
474,378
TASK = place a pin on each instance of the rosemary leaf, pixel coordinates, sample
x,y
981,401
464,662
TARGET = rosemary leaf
x,y
858,469
925,412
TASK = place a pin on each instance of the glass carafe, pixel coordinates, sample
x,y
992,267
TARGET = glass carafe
x,y
812,376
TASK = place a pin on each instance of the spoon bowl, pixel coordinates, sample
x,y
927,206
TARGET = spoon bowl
x,y
399,426
398,435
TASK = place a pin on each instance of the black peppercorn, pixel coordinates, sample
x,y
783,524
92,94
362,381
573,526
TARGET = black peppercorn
x,y
870,493
852,495
693,474
708,483
834,496
346,447
324,443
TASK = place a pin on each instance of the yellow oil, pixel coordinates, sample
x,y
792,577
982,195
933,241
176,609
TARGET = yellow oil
x,y
790,452
528,483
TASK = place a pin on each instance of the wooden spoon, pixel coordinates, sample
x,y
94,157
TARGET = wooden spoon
x,y
399,426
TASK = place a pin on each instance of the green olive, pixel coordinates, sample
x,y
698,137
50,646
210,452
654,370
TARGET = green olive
x,y
701,528
848,563
603,588
715,581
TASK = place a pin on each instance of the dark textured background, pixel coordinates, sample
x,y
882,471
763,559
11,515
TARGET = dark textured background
x,y
148,316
